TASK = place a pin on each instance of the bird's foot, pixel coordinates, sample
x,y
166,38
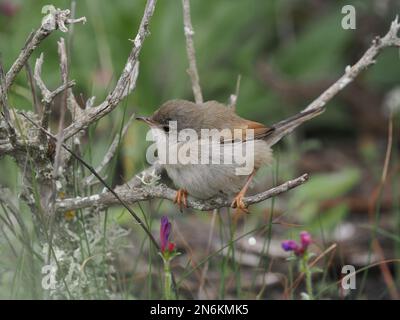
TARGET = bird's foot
x,y
238,202
181,198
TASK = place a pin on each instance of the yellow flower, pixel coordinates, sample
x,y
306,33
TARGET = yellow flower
x,y
69,215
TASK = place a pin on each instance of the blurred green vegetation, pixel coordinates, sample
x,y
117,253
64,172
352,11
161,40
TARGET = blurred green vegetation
x,y
302,40
231,38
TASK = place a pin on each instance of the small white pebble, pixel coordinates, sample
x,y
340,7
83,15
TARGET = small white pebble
x,y
343,232
252,241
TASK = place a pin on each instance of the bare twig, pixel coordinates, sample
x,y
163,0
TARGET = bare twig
x,y
62,52
391,39
57,19
29,75
233,98
58,163
192,71
133,195
47,95
38,78
125,84
6,110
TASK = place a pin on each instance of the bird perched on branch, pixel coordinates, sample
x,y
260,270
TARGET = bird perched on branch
x,y
197,166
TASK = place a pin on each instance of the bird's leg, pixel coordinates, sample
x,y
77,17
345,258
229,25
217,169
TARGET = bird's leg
x,y
181,198
238,200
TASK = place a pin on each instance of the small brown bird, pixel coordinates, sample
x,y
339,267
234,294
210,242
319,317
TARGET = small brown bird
x,y
205,180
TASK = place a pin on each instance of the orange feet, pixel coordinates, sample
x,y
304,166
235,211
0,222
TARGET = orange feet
x,y
238,202
241,208
181,198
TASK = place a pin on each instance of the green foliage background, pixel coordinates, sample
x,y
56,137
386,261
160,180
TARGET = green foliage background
x,y
302,40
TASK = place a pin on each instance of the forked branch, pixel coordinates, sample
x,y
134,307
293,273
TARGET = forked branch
x,y
125,84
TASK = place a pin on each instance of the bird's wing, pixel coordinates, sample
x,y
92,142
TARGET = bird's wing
x,y
218,116
260,130
243,133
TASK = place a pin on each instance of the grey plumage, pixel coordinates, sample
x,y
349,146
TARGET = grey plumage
x,y
206,180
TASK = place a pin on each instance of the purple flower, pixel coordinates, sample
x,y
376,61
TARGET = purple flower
x,y
165,230
298,248
289,245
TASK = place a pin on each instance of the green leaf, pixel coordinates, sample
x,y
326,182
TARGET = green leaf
x,y
327,186
330,218
316,270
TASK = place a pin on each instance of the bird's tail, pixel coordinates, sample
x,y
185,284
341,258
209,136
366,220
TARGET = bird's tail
x,y
284,127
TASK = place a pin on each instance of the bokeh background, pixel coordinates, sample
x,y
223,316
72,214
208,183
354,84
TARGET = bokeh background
x,y
286,53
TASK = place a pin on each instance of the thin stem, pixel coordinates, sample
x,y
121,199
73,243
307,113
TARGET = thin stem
x,y
167,280
308,275
192,71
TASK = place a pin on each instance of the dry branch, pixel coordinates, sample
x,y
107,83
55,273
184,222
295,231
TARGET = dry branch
x,y
391,39
47,95
5,108
192,71
233,97
125,84
161,191
57,19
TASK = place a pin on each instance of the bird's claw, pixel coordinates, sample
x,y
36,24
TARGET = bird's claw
x,y
239,204
181,198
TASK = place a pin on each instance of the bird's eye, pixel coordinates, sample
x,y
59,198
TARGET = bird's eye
x,y
166,128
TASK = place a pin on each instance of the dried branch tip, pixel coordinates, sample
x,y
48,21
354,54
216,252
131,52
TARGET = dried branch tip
x,y
58,19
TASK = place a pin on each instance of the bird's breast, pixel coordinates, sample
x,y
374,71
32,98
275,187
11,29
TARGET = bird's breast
x,y
206,170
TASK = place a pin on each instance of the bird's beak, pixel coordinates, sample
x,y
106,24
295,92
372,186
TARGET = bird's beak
x,y
147,120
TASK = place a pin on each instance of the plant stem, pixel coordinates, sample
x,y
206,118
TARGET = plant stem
x,y
308,274
167,280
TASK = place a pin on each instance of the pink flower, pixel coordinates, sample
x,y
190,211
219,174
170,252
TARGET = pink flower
x,y
298,248
305,239
171,246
